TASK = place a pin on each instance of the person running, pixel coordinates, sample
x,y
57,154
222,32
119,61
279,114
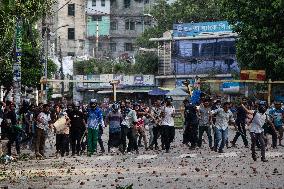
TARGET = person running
x,y
127,127
205,122
260,118
241,124
114,119
223,118
43,123
277,115
168,124
77,129
94,123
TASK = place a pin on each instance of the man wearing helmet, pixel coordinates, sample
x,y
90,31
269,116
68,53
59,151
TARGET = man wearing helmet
x,y
114,119
168,134
94,122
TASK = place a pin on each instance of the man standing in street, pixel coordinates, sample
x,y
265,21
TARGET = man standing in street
x,y
114,119
191,127
127,127
241,124
277,115
77,129
156,115
223,118
94,123
43,123
168,124
205,122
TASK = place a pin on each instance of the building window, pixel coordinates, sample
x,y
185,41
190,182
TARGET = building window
x,y
112,47
94,3
103,3
129,25
113,25
96,18
71,33
128,47
71,54
126,3
71,9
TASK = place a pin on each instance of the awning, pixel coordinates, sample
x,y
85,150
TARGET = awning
x,y
123,91
178,92
158,91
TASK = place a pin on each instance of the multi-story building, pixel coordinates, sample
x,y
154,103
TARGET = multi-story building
x,y
128,20
98,26
68,28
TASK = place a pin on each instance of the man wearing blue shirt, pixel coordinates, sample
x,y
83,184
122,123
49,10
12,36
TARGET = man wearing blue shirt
x,y
94,122
277,117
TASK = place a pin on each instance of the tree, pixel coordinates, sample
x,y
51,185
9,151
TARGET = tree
x,y
30,13
259,24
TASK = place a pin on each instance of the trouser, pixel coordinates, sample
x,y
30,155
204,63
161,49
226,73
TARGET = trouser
x,y
241,132
221,136
92,140
156,134
207,129
190,134
151,135
40,140
61,143
140,131
269,130
128,133
280,132
168,135
13,136
257,137
114,139
100,133
75,137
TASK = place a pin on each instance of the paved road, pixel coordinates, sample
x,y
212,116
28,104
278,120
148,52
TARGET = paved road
x,y
180,169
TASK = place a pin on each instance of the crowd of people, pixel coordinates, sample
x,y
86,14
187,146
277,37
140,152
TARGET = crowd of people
x,y
134,125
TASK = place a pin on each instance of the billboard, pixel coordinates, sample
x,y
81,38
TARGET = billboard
x,y
193,29
253,75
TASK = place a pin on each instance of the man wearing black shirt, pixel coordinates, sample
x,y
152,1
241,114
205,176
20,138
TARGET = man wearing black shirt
x,y
77,129
241,124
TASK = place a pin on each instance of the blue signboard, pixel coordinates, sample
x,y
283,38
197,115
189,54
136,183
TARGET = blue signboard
x,y
194,29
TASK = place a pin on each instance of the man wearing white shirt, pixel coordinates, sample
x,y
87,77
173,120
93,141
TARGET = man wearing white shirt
x,y
168,124
223,118
260,118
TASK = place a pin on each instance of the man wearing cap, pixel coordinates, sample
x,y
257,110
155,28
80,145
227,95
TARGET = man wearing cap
x,y
277,115
94,122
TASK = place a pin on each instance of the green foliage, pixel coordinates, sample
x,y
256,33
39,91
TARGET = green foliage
x,y
181,11
145,63
30,12
259,24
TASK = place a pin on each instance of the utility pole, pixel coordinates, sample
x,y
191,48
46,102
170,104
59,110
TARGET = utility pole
x,y
61,68
17,64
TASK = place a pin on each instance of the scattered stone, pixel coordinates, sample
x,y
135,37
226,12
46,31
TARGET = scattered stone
x,y
82,183
197,169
